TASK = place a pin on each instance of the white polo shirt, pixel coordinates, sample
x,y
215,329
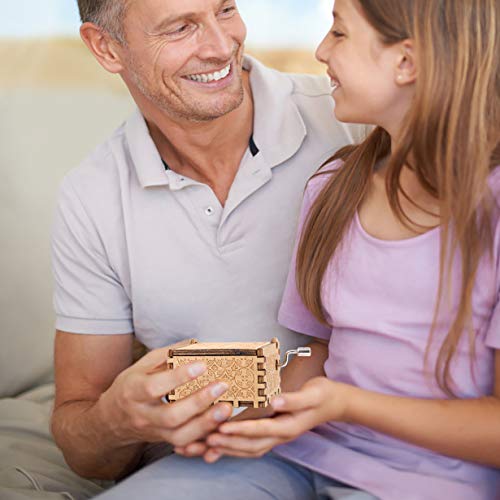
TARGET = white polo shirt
x,y
140,249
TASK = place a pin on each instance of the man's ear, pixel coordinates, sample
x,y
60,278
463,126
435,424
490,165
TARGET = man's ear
x,y
103,46
406,68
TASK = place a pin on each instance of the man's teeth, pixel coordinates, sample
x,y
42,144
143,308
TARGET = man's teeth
x,y
211,77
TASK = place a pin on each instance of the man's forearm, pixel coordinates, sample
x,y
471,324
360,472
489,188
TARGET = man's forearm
x,y
90,449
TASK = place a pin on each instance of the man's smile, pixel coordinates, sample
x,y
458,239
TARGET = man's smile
x,y
209,77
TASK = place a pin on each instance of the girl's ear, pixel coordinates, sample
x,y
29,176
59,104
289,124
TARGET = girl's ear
x,y
104,48
406,68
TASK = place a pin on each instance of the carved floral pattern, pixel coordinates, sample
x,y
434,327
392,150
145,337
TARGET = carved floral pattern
x,y
239,372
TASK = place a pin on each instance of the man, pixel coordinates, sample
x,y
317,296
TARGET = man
x,y
180,225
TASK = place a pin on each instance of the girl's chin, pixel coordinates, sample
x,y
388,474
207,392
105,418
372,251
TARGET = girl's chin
x,y
344,113
341,114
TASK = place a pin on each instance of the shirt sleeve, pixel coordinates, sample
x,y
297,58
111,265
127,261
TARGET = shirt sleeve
x,y
88,296
293,314
493,331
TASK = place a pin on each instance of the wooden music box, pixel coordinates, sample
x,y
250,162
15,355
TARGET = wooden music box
x,y
251,369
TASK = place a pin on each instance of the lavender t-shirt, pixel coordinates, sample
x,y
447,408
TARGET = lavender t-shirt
x,y
380,297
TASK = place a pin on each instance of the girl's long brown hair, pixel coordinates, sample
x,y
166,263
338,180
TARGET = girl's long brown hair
x,y
451,133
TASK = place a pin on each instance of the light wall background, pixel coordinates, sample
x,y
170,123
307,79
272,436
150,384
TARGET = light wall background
x,y
272,23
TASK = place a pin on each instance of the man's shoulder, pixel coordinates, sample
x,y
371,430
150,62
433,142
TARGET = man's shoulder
x,y
302,84
306,85
102,159
313,96
310,85
98,173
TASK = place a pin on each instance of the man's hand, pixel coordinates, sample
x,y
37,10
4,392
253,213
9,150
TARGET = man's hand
x,y
134,412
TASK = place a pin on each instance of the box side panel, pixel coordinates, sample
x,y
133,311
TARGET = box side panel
x,y
272,377
239,372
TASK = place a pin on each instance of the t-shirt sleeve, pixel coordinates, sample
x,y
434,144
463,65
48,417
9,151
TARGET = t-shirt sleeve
x,y
88,296
493,331
293,314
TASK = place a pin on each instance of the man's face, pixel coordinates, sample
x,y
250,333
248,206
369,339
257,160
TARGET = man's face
x,y
185,56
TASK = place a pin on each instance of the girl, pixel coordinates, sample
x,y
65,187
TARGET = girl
x,y
398,264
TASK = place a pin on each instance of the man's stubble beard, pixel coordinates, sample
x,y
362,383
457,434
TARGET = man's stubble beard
x,y
176,106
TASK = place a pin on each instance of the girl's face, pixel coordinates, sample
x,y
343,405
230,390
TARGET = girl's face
x,y
372,82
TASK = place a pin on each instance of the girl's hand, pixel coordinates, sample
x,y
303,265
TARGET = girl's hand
x,y
199,448
318,401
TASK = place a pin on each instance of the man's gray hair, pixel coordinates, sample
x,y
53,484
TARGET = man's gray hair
x,y
107,14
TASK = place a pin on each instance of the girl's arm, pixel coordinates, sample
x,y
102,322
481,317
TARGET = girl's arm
x,y
465,429
461,428
300,370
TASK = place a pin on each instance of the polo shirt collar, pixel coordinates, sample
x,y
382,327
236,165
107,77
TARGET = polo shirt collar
x,y
144,154
278,129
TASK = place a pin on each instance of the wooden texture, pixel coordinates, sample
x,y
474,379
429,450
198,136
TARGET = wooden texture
x,y
251,370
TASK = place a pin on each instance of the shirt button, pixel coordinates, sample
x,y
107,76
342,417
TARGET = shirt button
x,y
209,211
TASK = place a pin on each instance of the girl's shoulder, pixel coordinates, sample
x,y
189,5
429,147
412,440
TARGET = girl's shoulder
x,y
318,181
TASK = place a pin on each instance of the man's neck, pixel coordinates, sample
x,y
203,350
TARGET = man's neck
x,y
208,152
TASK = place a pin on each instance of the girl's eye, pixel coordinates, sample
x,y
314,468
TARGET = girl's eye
x,y
337,34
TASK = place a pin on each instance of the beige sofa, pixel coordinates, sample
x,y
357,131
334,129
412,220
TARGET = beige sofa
x,y
54,108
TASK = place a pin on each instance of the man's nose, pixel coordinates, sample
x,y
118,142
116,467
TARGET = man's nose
x,y
216,43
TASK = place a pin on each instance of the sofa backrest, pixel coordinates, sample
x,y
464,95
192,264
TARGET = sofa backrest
x,y
47,125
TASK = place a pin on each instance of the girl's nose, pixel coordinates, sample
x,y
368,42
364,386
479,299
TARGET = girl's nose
x,y
322,51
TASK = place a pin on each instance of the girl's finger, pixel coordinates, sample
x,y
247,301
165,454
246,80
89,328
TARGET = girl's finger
x,y
211,456
285,426
242,444
297,401
262,428
215,454
196,449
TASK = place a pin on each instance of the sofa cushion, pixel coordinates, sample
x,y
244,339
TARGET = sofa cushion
x,y
31,465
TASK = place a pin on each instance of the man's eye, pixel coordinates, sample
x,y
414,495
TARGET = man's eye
x,y
180,30
228,11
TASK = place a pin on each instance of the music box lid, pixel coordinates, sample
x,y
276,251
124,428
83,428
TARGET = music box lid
x,y
220,349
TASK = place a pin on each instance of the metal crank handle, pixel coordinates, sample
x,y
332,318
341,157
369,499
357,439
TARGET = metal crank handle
x,y
301,352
